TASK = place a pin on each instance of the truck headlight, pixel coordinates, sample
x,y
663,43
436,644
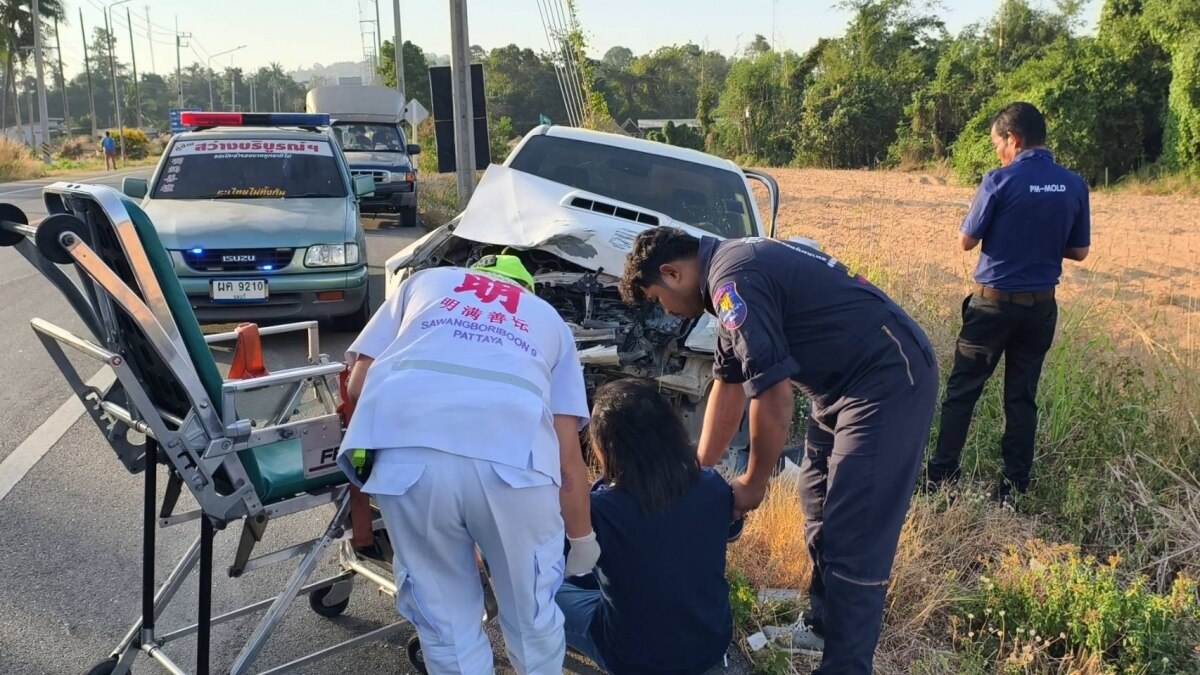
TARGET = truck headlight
x,y
331,255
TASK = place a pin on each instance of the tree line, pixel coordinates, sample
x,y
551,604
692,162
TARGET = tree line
x,y
895,89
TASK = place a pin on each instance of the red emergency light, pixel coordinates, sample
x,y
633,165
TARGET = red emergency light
x,y
234,119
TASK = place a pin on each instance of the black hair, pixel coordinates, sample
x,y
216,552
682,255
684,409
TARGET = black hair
x,y
651,249
642,444
1023,119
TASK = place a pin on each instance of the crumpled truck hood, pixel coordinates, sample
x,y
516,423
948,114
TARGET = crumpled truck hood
x,y
514,208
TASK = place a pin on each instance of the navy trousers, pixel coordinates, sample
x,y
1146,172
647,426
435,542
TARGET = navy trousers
x,y
861,459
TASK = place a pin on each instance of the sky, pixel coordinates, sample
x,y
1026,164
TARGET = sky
x,y
299,33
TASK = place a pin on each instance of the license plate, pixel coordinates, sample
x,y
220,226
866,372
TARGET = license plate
x,y
239,290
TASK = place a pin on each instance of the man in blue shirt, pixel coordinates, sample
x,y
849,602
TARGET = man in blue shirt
x,y
110,151
1029,215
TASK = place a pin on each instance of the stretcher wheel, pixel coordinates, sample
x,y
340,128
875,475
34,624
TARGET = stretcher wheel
x,y
105,667
49,231
316,600
11,213
415,657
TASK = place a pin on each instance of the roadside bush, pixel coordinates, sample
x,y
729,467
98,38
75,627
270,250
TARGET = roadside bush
x,y
78,147
1040,603
137,144
16,162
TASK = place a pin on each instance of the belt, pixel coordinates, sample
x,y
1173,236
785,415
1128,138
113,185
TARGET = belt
x,y
1023,299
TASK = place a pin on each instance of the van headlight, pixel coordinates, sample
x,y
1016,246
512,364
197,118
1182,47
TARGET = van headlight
x,y
331,255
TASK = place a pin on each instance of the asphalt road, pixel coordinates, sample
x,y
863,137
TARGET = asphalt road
x,y
71,554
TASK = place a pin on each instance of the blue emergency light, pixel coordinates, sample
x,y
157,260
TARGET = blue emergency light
x,y
233,119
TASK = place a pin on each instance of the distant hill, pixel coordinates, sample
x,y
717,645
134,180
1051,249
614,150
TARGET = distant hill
x,y
330,72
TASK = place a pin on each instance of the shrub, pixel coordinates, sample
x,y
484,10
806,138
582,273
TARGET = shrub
x,y
16,162
78,147
1038,594
137,144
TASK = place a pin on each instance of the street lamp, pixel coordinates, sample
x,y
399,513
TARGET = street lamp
x,y
211,103
112,71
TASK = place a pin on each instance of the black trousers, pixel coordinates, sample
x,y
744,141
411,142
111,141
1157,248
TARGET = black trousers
x,y
862,456
991,328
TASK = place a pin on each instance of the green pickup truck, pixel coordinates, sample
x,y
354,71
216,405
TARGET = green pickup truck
x,y
261,217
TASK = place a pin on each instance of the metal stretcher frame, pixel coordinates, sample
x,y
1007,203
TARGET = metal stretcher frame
x,y
199,447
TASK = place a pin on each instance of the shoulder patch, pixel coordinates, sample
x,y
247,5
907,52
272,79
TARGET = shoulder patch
x,y
731,309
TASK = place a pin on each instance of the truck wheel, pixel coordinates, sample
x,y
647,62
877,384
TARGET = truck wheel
x,y
408,216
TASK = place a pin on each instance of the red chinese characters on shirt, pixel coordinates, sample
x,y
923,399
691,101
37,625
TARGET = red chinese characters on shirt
x,y
489,290
472,312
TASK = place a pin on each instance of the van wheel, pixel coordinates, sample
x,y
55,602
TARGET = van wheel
x,y
408,216
355,321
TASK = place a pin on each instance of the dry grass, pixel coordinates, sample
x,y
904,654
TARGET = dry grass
x,y
16,162
1119,394
78,147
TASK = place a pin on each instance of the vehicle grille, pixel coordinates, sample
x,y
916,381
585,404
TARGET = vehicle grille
x,y
237,259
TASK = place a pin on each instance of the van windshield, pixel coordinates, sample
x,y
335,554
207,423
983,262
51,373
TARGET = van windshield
x,y
250,169
366,137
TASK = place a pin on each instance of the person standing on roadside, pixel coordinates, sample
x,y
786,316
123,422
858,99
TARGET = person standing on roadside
x,y
1029,215
110,151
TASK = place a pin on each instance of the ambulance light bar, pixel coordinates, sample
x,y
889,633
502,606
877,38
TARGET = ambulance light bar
x,y
233,119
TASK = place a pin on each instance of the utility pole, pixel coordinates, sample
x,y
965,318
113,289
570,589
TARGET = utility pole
x,y
41,83
137,94
179,38
464,123
87,66
62,81
150,39
399,43
378,38
112,69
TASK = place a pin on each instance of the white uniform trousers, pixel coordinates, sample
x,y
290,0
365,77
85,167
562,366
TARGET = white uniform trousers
x,y
437,507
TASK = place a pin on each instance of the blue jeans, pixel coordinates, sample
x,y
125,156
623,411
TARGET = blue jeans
x,y
579,600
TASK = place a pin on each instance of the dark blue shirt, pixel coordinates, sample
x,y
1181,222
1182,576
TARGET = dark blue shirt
x,y
665,600
785,310
1027,214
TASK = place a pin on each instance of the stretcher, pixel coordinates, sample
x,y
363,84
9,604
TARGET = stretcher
x,y
167,405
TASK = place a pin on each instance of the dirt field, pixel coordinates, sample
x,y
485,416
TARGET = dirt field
x,y
1143,272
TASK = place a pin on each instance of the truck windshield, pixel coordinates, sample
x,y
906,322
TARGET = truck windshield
x,y
364,137
710,198
250,169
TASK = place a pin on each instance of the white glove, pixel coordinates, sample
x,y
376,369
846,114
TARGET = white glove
x,y
583,555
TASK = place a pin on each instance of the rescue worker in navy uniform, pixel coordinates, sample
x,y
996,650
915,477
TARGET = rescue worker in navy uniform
x,y
789,313
1030,215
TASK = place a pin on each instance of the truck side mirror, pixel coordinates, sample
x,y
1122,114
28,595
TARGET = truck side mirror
x,y
135,187
414,149
364,186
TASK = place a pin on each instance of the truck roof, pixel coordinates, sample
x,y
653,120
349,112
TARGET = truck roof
x,y
357,103
639,145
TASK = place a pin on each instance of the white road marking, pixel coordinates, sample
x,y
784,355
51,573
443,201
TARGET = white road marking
x,y
32,449
43,182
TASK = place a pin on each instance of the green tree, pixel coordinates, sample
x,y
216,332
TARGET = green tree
x,y
1175,25
16,38
521,85
416,71
855,104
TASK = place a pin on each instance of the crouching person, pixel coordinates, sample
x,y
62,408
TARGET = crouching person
x,y
658,602
470,396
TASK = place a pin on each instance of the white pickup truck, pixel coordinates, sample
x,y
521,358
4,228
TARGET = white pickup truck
x,y
570,202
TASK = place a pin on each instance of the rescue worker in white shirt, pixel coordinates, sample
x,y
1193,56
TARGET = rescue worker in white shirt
x,y
470,398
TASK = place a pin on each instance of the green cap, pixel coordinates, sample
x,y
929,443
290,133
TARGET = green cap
x,y
508,266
